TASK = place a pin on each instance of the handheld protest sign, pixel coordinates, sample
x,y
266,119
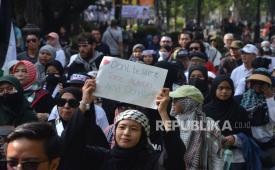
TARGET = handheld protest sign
x,y
129,82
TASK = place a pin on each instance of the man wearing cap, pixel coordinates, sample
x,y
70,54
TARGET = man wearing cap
x,y
249,53
88,59
53,40
182,57
33,44
235,51
202,146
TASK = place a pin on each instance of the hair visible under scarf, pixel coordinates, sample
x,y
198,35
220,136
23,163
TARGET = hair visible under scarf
x,y
31,72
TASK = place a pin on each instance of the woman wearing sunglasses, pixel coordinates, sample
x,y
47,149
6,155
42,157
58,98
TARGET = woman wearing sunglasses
x,y
67,104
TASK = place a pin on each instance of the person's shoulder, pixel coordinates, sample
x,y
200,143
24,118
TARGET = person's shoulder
x,y
22,55
236,70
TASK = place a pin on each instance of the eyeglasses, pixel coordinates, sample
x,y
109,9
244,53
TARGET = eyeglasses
x,y
194,48
31,40
7,90
24,165
71,102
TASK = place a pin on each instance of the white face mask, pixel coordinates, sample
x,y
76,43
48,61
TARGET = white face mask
x,y
163,55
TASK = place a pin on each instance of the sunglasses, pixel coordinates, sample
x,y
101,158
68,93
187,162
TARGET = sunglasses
x,y
71,102
25,165
194,48
31,40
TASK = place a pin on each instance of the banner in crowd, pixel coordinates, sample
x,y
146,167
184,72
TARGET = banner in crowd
x,y
135,2
99,14
129,82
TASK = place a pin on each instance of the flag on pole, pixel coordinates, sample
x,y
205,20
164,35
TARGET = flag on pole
x,y
7,37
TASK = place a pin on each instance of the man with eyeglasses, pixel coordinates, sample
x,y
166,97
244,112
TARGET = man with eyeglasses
x,y
31,53
32,146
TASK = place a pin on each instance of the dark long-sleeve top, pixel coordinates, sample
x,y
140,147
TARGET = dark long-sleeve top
x,y
78,155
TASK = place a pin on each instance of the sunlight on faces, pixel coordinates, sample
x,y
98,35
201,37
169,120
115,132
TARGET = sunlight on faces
x,y
66,112
128,133
184,39
224,91
21,74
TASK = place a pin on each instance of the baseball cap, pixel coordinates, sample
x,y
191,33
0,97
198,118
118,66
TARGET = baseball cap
x,y
182,53
237,44
250,49
188,91
78,79
198,55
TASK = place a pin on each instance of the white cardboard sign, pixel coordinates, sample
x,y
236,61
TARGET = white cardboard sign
x,y
129,82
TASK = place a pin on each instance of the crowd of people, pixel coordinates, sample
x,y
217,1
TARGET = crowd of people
x,y
225,86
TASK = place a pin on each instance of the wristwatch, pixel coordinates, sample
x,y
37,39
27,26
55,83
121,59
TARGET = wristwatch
x,y
87,105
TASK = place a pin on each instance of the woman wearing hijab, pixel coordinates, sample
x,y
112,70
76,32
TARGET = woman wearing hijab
x,y
149,57
203,145
54,76
53,40
46,54
132,150
258,100
137,52
198,77
67,104
224,109
14,108
41,101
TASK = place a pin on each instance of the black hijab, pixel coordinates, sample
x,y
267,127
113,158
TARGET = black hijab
x,y
227,110
202,85
135,158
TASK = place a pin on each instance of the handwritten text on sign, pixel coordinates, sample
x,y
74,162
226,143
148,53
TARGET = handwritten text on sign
x,y
129,82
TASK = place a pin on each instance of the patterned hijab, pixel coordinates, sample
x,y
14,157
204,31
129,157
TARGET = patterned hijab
x,y
196,148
